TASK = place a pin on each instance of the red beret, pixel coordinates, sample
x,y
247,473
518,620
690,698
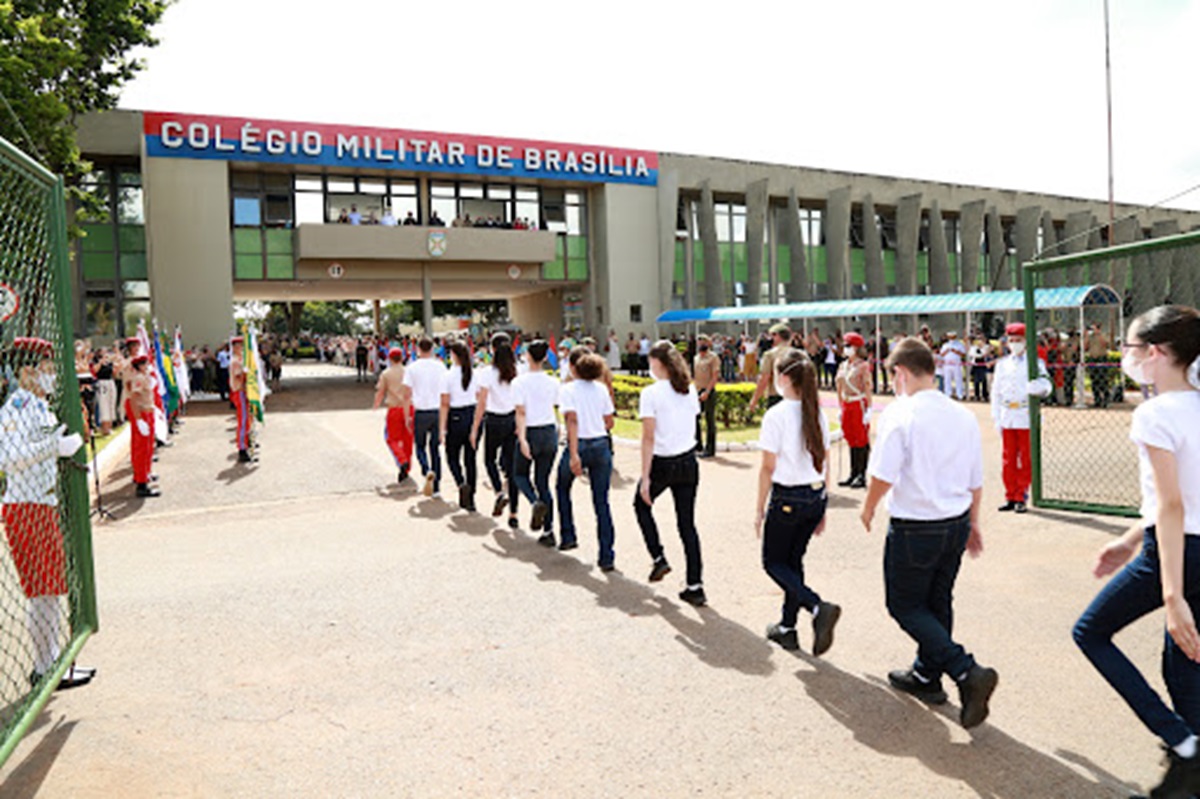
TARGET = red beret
x,y
133,340
36,346
138,360
395,354
854,340
236,340
1015,329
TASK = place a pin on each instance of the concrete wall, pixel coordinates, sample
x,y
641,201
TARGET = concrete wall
x,y
189,246
626,233
539,313
333,242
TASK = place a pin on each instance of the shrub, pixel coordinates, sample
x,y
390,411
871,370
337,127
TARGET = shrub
x,y
733,400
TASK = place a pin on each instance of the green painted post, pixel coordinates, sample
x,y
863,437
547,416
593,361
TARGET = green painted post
x,y
1035,406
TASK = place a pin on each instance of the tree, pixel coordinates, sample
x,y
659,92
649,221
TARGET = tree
x,y
63,58
394,314
330,318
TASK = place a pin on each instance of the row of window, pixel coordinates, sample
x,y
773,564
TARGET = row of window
x,y
111,255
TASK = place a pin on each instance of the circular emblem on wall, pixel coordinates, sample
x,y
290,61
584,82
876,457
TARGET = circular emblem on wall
x,y
9,302
437,243
514,271
336,270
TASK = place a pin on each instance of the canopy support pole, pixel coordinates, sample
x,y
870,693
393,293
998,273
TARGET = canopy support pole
x,y
1079,368
878,345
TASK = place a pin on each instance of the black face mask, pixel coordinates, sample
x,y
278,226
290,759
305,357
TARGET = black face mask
x,y
704,348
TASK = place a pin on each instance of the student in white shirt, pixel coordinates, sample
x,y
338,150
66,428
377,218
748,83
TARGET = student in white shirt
x,y
459,395
587,410
425,376
794,440
536,394
668,408
497,412
1162,349
928,457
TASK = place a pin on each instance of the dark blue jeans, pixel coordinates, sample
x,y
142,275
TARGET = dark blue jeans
x,y
425,439
543,445
793,513
1134,592
681,474
459,452
499,446
920,564
597,462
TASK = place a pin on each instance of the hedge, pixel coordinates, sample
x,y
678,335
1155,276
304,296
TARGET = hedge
x,y
733,400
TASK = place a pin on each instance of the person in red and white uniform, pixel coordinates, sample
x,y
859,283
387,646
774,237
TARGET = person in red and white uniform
x,y
854,393
1011,390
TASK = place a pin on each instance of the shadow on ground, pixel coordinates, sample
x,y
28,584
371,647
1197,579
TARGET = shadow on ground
x,y
26,779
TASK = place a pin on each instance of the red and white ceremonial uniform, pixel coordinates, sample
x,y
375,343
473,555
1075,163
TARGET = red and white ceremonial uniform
x,y
1011,390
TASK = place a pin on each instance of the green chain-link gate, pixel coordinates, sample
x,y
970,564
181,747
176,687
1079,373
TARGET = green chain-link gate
x,y
47,583
1082,456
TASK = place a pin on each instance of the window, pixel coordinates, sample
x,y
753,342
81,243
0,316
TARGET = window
x,y
129,205
247,212
111,253
309,183
470,190
310,208
442,190
499,192
366,186
635,314
342,185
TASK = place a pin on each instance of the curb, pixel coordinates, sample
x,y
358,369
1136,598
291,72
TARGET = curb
x,y
116,450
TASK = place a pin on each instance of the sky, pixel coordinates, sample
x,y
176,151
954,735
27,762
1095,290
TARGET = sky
x,y
1009,94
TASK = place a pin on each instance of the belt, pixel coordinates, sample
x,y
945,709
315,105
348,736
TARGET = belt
x,y
933,522
691,453
1016,405
817,486
495,415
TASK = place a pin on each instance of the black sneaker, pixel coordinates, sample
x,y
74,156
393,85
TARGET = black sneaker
x,y
546,539
974,691
566,545
145,490
1182,779
823,624
513,524
660,570
694,596
930,693
244,456
789,640
540,511
463,501
1007,506
607,567
501,501
1019,507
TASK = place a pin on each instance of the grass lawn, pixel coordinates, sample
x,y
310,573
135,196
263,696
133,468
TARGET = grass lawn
x,y
632,428
104,441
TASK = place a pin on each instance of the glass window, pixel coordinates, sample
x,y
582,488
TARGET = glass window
x,y
97,238
575,197
247,241
403,206
100,315
404,188
247,212
447,209
574,220
499,192
473,190
136,311
98,265
136,290
133,265
441,189
528,211
247,267
245,180
129,205
279,210
277,181
280,267
310,208
342,184
739,227
132,238
527,193
279,242
129,177
309,183
369,186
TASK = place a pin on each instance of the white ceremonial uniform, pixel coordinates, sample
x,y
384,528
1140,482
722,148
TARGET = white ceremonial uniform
x,y
29,449
1011,390
952,369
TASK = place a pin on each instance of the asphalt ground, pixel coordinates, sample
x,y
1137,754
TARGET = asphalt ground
x,y
306,627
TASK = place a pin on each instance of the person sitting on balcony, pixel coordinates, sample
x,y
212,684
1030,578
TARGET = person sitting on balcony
x,y
435,220
410,219
355,216
343,218
389,219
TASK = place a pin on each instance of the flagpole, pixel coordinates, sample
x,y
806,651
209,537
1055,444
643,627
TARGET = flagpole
x,y
1108,97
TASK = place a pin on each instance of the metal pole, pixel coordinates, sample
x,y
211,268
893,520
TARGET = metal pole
x,y
1080,374
1108,98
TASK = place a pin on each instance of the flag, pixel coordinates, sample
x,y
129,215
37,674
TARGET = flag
x,y
552,353
182,375
167,367
255,388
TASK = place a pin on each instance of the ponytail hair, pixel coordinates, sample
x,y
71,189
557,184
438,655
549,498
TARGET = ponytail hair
x,y
796,367
464,361
1175,328
503,357
677,372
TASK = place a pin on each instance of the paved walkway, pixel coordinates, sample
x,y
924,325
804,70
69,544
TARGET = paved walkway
x,y
303,627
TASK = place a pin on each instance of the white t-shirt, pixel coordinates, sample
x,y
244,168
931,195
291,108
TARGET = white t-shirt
x,y
1168,422
538,392
952,352
452,385
783,434
590,402
674,416
500,397
424,376
930,449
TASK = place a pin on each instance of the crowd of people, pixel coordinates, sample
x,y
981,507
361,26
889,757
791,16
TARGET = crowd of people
x,y
386,218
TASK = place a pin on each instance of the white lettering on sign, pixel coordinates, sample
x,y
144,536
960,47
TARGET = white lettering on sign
x,y
171,135
588,163
276,142
533,159
571,164
347,144
197,136
250,143
454,154
312,143
435,153
485,156
417,145
219,141
552,160
504,157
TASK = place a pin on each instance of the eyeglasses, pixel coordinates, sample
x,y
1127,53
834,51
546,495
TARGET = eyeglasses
x,y
1136,346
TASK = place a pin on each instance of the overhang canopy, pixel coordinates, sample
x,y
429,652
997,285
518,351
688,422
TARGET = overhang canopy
x,y
913,305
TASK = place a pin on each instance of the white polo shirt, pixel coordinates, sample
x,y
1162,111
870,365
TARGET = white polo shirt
x,y
930,449
452,387
424,376
1168,422
590,402
500,398
674,416
538,393
782,433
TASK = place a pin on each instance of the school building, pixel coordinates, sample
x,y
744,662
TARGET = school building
x,y
207,210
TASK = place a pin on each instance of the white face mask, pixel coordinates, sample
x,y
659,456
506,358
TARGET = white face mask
x,y
1017,347
47,382
779,385
1133,368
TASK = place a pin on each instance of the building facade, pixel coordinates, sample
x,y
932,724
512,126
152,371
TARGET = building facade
x,y
202,211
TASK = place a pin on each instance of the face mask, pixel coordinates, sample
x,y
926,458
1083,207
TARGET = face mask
x,y
1133,368
46,382
1017,347
779,386
704,348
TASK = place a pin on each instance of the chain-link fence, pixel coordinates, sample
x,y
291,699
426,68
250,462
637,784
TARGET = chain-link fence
x,y
47,584
1082,456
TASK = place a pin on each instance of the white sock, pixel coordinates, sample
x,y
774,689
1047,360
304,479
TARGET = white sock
x,y
816,610
1187,749
696,587
44,625
785,630
921,678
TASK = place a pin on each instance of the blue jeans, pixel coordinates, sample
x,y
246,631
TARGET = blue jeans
x,y
543,445
681,474
920,564
1134,592
793,513
597,462
425,437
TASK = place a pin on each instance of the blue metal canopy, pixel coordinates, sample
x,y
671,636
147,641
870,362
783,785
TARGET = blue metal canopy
x,y
913,305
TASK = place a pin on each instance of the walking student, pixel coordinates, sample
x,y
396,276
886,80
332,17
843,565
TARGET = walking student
x,y
459,390
496,411
794,440
1162,349
587,410
536,394
391,391
707,373
425,376
928,458
668,408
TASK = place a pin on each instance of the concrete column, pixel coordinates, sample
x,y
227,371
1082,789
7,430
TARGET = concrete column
x,y
756,227
714,292
799,285
873,250
1183,266
970,231
427,299
998,277
689,257
772,255
835,224
908,228
1028,222
668,208
939,263
376,318
1162,264
1189,264
1075,239
1049,250
1125,231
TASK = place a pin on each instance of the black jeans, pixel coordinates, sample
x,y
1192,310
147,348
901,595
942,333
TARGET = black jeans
x,y
499,445
708,410
425,441
223,381
920,564
979,376
681,474
459,452
543,446
793,513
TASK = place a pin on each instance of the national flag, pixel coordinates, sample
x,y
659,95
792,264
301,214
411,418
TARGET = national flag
x,y
552,353
170,386
255,388
182,374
